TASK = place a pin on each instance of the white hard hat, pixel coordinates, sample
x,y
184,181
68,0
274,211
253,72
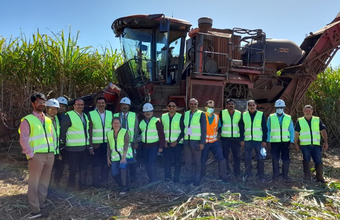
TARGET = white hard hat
x,y
280,104
52,103
147,107
62,100
125,100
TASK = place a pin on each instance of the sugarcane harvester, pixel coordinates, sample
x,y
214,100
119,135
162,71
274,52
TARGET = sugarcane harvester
x,y
162,64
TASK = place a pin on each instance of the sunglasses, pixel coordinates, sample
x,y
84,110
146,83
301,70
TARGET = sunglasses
x,y
171,106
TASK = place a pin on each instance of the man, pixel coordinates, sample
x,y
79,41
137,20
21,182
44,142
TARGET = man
x,y
195,129
59,164
129,122
36,140
307,132
254,136
63,104
74,135
211,143
280,137
174,131
100,123
152,140
230,134
52,107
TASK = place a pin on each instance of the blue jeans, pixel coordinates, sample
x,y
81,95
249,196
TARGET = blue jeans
x,y
215,148
314,151
248,148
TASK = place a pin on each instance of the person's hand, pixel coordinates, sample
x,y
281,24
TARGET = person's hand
x,y
174,144
108,162
166,144
264,144
269,146
201,146
297,147
242,143
123,160
160,150
91,151
325,146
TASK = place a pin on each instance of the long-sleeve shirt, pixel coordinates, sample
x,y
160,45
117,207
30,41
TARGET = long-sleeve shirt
x,y
239,125
263,127
136,128
25,134
161,135
181,125
290,128
64,125
203,123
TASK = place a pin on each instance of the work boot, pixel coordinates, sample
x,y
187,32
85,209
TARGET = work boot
x,y
203,171
223,170
96,176
276,168
260,169
82,179
247,164
285,170
319,173
306,170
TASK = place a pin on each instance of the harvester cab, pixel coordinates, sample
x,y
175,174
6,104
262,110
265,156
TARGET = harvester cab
x,y
153,51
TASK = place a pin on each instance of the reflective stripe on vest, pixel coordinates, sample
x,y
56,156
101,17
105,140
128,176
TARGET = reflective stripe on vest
x,y
279,133
194,125
211,129
117,146
172,131
131,120
253,129
230,124
77,135
56,132
40,137
149,130
99,129
309,135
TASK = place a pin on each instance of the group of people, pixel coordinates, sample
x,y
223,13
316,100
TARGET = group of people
x,y
111,140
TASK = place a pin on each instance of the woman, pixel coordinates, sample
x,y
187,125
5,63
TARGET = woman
x,y
118,153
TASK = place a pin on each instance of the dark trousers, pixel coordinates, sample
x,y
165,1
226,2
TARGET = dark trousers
x,y
192,158
150,156
172,154
59,166
215,148
248,148
100,170
280,151
234,145
312,151
77,161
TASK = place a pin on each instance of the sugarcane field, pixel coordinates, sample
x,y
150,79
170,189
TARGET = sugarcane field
x,y
182,121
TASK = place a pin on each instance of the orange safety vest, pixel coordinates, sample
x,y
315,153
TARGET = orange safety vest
x,y
211,129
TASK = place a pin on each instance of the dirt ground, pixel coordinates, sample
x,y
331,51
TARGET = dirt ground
x,y
214,199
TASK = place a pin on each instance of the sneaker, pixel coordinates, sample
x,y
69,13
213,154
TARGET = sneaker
x,y
123,191
35,215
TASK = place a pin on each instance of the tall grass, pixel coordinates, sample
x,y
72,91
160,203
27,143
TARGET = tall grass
x,y
54,65
324,95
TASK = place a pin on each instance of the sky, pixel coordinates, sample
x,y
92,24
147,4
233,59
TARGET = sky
x,y
288,19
